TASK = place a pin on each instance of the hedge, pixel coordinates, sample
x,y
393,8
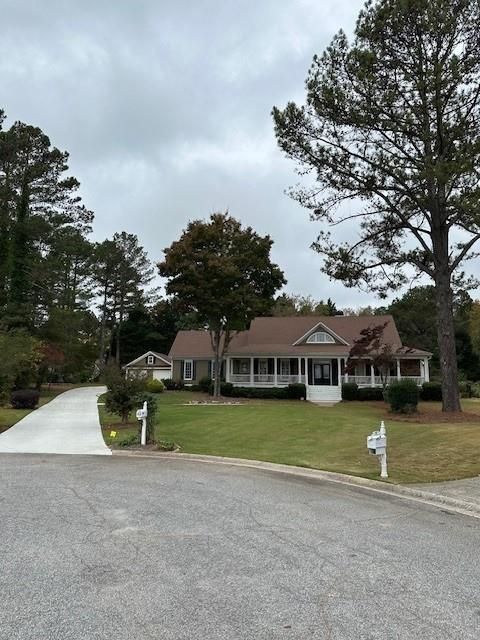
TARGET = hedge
x,y
431,391
295,391
370,394
349,391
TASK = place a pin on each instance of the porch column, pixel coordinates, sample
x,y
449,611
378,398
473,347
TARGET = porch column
x,y
299,369
275,371
227,370
339,369
252,368
426,369
372,374
399,375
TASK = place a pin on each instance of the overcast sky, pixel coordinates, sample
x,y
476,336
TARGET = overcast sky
x,y
165,108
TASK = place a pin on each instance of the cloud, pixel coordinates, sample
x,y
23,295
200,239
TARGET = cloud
x,y
165,108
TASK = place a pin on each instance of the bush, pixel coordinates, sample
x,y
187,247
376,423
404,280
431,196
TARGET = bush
x,y
205,384
129,441
466,389
123,392
431,391
155,386
24,399
297,391
172,385
167,445
370,394
403,396
349,391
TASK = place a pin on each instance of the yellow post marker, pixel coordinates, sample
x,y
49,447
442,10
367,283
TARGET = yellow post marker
x,y
113,434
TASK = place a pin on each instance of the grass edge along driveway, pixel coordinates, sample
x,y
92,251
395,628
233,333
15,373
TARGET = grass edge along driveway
x,y
306,435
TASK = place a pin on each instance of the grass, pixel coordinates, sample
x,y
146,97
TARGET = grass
x,y
330,438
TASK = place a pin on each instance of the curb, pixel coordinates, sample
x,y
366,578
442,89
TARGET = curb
x,y
399,491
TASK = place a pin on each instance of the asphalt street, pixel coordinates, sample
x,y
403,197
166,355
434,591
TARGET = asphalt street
x,y
123,548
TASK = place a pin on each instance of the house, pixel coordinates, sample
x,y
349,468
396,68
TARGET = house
x,y
275,352
150,365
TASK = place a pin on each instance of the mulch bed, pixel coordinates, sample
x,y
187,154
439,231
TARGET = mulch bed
x,y
118,426
427,415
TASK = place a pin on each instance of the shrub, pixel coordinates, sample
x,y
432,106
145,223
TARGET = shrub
x,y
167,445
205,384
129,440
349,391
123,392
370,394
403,396
431,391
24,399
155,386
297,391
172,385
226,389
466,389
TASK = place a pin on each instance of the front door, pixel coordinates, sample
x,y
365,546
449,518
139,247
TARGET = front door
x,y
321,373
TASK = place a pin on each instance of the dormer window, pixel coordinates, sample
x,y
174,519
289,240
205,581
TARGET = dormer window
x,y
320,337
149,359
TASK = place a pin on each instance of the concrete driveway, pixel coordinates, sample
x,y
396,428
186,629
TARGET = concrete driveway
x,y
67,424
125,548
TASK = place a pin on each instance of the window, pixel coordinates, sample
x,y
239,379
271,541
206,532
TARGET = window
x,y
188,370
150,359
320,336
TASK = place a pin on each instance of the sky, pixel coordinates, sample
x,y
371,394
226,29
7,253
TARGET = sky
x,y
165,109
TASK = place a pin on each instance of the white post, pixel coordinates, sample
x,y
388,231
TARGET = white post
x,y
143,436
275,371
383,457
299,369
251,372
372,374
426,370
339,367
399,375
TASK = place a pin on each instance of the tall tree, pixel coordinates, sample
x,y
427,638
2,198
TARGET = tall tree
x,y
37,202
391,127
122,272
222,273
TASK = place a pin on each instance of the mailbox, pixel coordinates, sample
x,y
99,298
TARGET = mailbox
x,y
141,414
377,443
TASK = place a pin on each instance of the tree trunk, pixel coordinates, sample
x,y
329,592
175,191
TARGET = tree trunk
x,y
446,343
216,349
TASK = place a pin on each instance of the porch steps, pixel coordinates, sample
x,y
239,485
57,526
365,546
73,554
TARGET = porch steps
x,y
324,394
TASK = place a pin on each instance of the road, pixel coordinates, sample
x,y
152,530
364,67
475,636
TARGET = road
x,y
67,424
124,548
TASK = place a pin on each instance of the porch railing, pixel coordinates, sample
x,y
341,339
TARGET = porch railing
x,y
265,379
366,381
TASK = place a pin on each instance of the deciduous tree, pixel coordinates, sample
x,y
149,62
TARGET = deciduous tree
x,y
222,273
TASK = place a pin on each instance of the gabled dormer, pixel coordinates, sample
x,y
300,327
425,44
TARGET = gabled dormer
x,y
320,334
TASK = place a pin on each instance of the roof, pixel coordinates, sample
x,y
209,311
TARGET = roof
x,y
280,336
161,356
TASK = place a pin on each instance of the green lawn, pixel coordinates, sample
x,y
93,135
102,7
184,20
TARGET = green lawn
x,y
330,438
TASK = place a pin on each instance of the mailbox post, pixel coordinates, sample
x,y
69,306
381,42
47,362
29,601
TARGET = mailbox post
x,y
377,446
142,415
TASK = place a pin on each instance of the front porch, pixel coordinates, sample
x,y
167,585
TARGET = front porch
x,y
277,371
366,375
